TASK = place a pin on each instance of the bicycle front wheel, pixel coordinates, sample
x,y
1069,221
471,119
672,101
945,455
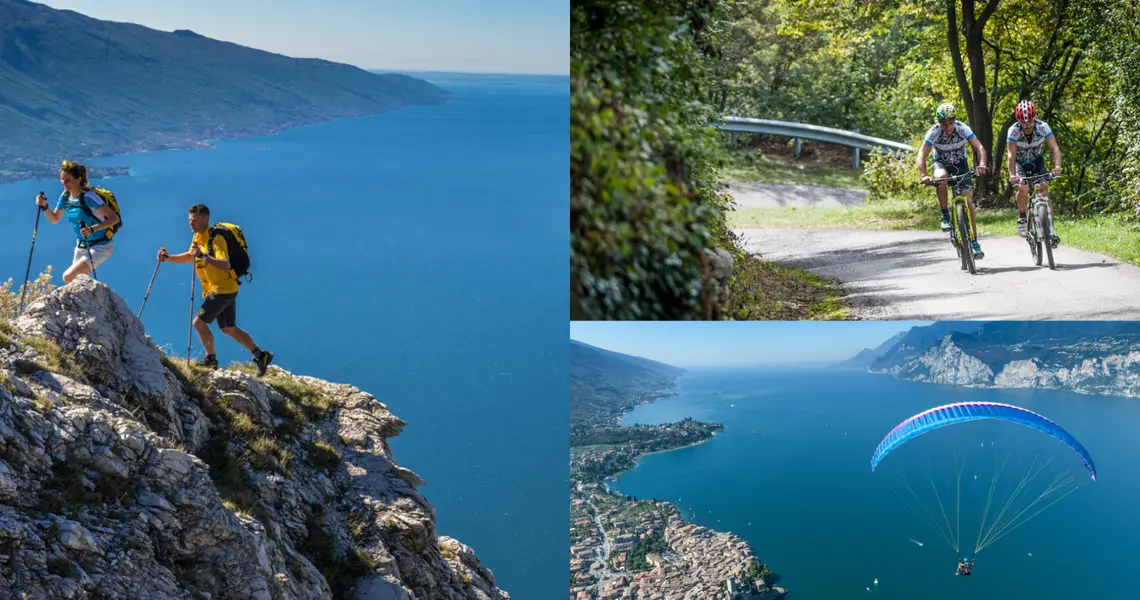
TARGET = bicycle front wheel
x,y
1046,233
964,236
1034,239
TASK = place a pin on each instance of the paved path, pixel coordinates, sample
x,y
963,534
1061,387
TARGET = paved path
x,y
915,275
757,195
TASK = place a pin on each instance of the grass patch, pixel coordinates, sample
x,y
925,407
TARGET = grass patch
x,y
358,523
58,565
195,380
266,455
44,406
314,405
341,572
55,359
323,455
766,291
780,166
65,492
227,473
6,333
7,383
261,449
1112,235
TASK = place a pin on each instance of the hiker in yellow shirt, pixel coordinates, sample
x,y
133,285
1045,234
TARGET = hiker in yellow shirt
x,y
219,288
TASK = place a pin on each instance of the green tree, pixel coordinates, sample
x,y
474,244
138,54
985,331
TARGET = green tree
x,y
644,198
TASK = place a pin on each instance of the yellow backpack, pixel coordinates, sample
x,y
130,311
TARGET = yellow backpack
x,y
109,198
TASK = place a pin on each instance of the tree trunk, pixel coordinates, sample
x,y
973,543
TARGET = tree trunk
x,y
973,90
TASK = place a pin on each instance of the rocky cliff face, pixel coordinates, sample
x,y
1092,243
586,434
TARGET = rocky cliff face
x,y
1107,364
127,475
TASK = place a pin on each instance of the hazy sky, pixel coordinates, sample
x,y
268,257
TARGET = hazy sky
x,y
728,343
494,36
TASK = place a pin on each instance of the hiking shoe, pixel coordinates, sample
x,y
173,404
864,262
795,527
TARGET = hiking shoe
x,y
1023,227
945,223
210,362
262,362
977,249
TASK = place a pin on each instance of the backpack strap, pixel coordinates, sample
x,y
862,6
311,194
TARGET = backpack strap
x,y
210,241
83,204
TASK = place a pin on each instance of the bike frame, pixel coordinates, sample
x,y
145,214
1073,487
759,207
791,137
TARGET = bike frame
x,y
958,200
1037,206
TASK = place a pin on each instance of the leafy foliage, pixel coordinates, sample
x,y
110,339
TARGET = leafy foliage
x,y
881,67
10,298
605,384
651,544
889,176
644,200
604,451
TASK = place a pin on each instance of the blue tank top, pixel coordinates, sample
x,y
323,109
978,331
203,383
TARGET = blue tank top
x,y
78,217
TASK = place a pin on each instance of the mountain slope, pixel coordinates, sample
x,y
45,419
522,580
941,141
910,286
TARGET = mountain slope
x,y
867,356
76,87
1093,358
919,339
605,384
124,474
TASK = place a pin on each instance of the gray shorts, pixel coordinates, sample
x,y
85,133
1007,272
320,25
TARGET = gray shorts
x,y
99,253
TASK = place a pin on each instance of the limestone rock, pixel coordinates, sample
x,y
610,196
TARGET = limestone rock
x,y
125,476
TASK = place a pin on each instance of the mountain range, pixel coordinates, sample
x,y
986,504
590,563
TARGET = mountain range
x,y
1089,357
74,87
605,384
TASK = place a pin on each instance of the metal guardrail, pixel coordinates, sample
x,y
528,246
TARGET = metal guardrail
x,y
800,131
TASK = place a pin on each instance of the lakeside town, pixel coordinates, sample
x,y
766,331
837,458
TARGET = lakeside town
x,y
624,548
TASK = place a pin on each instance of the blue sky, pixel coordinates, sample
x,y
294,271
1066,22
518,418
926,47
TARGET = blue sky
x,y
496,36
731,343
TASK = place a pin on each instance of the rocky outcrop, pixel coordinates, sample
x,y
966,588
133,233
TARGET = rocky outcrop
x,y
945,363
718,266
127,475
1107,364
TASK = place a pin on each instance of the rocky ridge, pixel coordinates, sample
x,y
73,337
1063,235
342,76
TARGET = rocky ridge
x,y
1108,365
124,474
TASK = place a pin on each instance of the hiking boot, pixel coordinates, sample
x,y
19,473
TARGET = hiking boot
x,y
210,362
262,360
977,249
945,223
1023,227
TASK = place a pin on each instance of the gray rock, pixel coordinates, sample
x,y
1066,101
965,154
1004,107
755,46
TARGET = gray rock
x,y
116,483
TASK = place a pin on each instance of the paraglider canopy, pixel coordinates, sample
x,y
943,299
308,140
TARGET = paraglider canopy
x,y
961,412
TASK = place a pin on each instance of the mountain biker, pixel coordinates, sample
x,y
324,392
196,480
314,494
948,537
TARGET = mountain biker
x,y
1025,158
948,139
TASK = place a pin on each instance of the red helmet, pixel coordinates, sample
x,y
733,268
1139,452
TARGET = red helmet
x,y
1025,112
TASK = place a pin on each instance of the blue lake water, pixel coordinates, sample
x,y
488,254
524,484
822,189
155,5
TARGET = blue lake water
x,y
802,493
412,254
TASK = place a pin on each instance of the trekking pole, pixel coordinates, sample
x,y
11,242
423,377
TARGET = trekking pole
x,y
153,275
28,272
87,247
190,332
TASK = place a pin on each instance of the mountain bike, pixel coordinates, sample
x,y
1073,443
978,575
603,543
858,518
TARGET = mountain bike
x,y
1040,219
960,221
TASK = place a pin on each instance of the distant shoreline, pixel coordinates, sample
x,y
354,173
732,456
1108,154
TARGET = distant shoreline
x,y
637,461
45,168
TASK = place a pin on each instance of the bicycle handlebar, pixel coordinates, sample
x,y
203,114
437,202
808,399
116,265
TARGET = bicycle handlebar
x,y
1039,178
952,178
